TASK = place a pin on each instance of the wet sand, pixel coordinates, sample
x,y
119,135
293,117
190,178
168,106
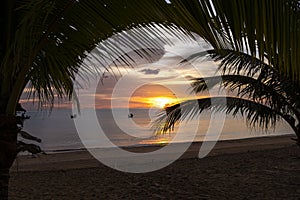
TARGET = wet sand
x,y
257,168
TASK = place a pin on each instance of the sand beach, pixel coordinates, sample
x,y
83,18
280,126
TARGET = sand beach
x,y
255,168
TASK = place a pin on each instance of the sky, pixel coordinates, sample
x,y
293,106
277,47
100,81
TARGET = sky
x,y
156,83
164,80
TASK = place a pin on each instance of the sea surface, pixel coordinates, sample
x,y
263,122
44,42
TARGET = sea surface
x,y
58,130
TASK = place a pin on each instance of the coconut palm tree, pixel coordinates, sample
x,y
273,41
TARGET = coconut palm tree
x,y
255,33
257,92
43,44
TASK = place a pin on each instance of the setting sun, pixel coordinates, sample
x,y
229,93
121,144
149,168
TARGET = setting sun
x,y
161,102
152,96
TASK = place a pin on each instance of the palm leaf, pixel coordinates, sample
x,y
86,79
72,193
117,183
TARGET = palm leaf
x,y
233,62
249,88
48,41
239,67
254,113
263,29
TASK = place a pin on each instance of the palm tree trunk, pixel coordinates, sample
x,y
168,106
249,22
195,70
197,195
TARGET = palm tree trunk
x,y
291,121
4,179
297,131
8,150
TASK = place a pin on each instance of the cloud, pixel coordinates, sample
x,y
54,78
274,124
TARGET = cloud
x,y
189,77
150,71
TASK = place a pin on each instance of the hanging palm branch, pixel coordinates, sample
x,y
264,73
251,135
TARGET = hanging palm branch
x,y
43,44
268,30
254,113
261,94
46,41
240,69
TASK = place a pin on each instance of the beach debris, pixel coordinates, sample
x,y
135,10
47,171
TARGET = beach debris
x,y
27,136
31,148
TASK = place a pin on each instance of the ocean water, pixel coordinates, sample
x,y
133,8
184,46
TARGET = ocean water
x,y
58,130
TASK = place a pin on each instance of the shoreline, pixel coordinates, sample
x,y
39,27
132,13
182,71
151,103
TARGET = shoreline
x,y
81,158
67,150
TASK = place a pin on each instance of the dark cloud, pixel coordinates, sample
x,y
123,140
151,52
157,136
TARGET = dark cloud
x,y
150,71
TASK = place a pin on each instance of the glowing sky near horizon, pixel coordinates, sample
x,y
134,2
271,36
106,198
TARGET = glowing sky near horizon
x,y
165,81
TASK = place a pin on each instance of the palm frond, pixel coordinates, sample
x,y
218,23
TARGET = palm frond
x,y
264,29
248,88
49,39
233,62
254,113
239,67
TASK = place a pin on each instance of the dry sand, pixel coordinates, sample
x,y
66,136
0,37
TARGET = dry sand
x,y
257,168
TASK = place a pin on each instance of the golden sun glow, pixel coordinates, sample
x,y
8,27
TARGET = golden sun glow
x,y
161,102
152,96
